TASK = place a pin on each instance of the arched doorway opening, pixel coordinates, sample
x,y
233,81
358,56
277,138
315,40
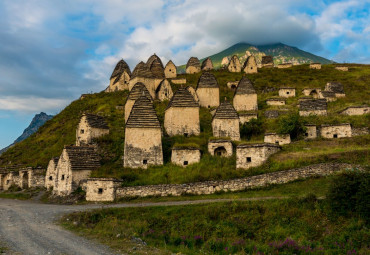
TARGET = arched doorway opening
x,y
220,151
314,93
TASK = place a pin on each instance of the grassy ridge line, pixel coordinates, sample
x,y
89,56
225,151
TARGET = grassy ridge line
x,y
49,140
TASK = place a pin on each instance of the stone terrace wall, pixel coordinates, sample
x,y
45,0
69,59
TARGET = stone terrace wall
x,y
210,187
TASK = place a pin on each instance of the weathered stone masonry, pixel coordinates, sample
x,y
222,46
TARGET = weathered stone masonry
x,y
210,187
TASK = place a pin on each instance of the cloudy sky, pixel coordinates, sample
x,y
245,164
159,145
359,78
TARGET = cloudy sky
x,y
52,51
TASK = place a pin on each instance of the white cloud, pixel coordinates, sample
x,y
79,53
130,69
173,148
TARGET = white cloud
x,y
31,104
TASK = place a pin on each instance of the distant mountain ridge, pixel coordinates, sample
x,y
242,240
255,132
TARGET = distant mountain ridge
x,y
282,53
35,124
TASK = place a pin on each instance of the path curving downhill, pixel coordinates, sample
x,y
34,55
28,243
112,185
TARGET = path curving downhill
x,y
28,227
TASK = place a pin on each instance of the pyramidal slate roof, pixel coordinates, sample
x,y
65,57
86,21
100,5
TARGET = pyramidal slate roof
x,y
207,61
313,104
55,160
143,115
245,86
82,157
170,63
137,91
152,58
225,111
182,98
119,69
96,121
157,68
142,70
207,80
193,61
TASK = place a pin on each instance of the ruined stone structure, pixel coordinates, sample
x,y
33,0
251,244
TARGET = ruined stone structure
x,y
252,155
51,173
285,65
74,166
101,189
287,92
311,131
247,116
232,85
335,87
90,127
184,156
207,64
313,92
356,110
267,61
164,91
280,139
137,91
329,96
210,187
143,136
22,177
245,97
120,78
359,131
193,66
342,68
182,114
234,65
275,101
336,131
312,107
315,66
208,90
225,122
272,114
143,74
170,70
220,147
250,65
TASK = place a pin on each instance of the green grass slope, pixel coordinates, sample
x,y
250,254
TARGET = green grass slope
x,y
50,139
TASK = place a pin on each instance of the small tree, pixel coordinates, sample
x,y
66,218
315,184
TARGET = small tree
x,y
253,127
293,125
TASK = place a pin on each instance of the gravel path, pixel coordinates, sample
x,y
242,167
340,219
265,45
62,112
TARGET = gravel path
x,y
28,227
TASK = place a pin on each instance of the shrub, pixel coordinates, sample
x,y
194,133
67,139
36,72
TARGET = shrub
x,y
253,127
292,124
350,193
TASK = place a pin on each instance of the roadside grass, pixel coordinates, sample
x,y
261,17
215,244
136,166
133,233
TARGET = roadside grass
x,y
15,195
288,226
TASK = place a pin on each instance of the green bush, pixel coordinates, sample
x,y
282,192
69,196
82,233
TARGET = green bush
x,y
350,193
293,125
253,127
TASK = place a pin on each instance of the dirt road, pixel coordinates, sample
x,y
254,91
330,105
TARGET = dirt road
x,y
28,227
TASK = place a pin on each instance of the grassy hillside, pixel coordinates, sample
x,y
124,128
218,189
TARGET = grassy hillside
x,y
48,142
282,54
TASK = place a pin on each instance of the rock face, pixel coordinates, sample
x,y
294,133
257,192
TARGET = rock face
x,y
35,124
143,136
208,90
